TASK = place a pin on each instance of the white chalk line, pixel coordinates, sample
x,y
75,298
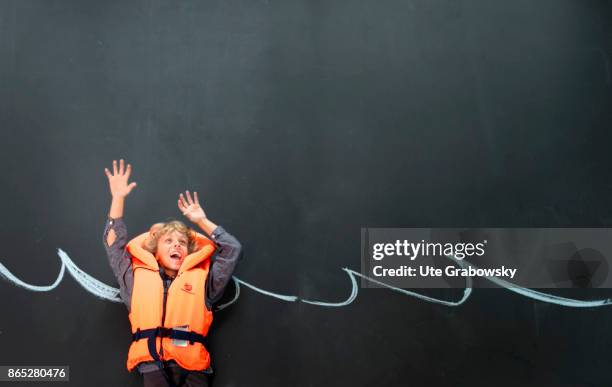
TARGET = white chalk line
x,y
106,292
88,282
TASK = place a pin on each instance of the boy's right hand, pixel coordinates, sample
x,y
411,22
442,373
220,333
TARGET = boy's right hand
x,y
118,180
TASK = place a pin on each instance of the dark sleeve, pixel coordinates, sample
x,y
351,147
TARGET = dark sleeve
x,y
119,258
229,250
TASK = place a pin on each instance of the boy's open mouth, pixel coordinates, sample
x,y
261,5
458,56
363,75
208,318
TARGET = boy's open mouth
x,y
176,256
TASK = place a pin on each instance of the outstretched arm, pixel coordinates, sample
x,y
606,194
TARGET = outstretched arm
x,y
229,249
115,232
120,189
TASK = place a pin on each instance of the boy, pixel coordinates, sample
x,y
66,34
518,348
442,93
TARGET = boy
x,y
169,278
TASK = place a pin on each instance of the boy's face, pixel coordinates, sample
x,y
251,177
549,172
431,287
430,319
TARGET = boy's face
x,y
171,251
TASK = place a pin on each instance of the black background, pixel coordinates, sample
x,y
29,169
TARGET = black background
x,y
299,122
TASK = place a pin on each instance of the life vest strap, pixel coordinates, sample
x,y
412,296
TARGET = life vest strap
x,y
152,333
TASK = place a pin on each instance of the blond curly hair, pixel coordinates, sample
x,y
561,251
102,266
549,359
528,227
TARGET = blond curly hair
x,y
159,229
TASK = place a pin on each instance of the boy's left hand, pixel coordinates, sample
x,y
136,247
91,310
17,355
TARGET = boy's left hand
x,y
191,207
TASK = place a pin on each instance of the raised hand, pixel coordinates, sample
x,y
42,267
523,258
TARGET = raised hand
x,y
118,180
191,207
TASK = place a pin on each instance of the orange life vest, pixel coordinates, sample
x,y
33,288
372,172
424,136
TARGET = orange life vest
x,y
177,329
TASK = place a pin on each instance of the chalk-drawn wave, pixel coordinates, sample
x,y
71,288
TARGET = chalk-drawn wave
x,y
88,282
110,293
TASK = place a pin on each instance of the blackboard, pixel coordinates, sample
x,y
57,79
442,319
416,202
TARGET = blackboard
x,y
299,123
